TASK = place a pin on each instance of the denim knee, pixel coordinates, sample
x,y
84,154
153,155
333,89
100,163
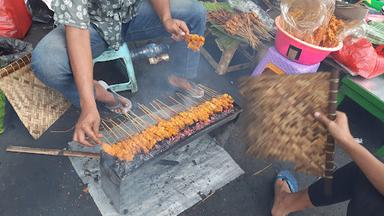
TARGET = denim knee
x,y
192,12
199,16
49,64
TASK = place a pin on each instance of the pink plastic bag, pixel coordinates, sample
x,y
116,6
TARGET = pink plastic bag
x,y
15,19
360,57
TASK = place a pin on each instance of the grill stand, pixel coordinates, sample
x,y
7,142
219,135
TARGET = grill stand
x,y
156,189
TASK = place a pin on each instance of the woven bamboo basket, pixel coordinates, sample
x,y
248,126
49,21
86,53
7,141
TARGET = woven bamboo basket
x,y
37,106
280,123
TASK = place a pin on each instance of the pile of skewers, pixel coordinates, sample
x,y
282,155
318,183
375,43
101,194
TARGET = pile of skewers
x,y
246,25
165,129
194,41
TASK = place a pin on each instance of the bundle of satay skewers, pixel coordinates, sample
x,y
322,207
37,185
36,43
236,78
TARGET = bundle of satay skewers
x,y
194,41
165,128
246,25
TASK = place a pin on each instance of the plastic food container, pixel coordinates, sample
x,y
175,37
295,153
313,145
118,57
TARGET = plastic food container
x,y
300,51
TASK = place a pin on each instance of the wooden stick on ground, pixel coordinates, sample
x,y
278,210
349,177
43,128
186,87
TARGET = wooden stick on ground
x,y
52,152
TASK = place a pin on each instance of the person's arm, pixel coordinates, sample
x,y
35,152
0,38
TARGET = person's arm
x,y
80,57
73,15
177,28
369,164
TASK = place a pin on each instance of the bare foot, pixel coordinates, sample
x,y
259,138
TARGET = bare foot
x,y
281,192
182,83
179,82
106,97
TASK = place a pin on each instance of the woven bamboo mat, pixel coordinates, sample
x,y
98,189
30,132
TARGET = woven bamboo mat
x,y
280,123
37,106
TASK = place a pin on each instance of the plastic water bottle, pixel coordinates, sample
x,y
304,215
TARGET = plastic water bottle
x,y
149,51
2,111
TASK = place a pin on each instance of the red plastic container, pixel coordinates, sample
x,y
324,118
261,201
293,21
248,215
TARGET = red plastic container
x,y
300,51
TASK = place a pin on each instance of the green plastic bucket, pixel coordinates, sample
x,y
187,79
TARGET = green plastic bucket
x,y
2,111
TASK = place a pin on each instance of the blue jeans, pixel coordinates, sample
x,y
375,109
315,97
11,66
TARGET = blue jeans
x,y
50,61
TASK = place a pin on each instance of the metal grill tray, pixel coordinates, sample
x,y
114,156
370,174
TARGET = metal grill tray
x,y
116,168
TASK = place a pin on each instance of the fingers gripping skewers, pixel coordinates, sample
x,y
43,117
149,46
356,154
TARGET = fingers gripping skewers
x,y
145,140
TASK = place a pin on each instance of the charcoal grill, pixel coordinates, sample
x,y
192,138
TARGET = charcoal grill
x,y
114,172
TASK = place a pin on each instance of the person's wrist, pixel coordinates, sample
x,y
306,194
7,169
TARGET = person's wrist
x,y
165,19
348,142
87,105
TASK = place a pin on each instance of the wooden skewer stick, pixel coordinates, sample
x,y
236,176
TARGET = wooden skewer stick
x,y
118,132
213,92
135,123
165,105
148,111
209,93
159,109
126,126
142,120
125,133
195,101
128,118
103,138
52,152
110,131
187,98
178,102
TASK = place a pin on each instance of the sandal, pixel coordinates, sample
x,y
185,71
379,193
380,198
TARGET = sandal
x,y
118,108
289,179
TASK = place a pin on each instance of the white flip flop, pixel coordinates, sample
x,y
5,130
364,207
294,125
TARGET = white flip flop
x,y
118,105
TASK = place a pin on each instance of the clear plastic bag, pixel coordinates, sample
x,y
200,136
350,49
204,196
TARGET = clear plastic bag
x,y
301,18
